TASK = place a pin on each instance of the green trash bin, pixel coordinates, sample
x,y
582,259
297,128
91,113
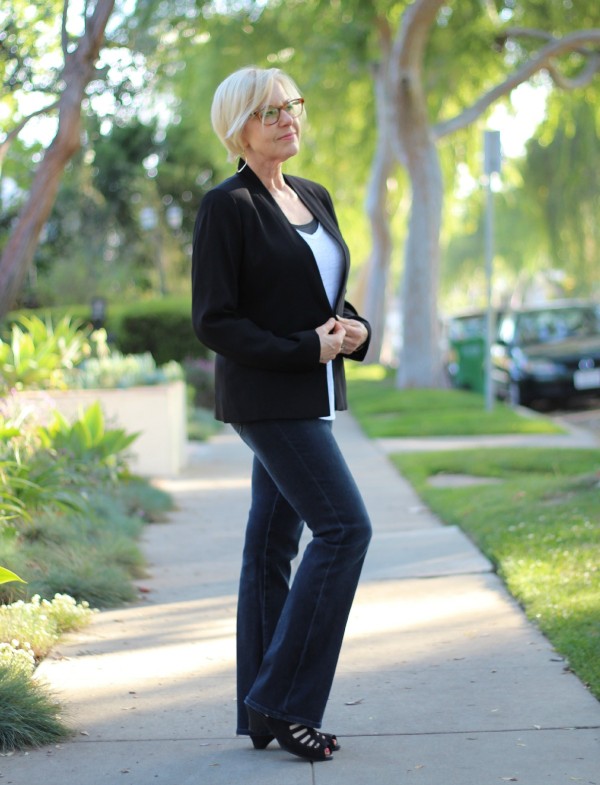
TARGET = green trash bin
x,y
466,366
466,350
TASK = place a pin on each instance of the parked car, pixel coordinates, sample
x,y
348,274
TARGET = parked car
x,y
548,352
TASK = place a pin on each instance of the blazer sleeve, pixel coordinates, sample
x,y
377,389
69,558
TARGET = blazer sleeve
x,y
350,312
216,258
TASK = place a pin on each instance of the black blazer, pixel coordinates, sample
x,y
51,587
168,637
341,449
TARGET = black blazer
x,y
257,297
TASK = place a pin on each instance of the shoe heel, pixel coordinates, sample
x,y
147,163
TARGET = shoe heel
x,y
261,742
256,723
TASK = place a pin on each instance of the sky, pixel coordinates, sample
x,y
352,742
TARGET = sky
x,y
517,126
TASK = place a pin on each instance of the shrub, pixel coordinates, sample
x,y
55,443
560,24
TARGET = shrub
x,y
167,336
38,624
29,715
120,371
86,548
162,327
37,354
18,656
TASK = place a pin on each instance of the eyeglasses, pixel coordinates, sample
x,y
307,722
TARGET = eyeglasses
x,y
269,115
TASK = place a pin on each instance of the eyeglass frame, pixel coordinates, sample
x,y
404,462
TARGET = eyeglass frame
x,y
294,101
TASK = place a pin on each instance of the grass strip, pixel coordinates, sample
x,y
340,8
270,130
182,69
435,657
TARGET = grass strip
x,y
384,411
540,527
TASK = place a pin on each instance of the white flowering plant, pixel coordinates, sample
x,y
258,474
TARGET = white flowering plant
x,y
37,624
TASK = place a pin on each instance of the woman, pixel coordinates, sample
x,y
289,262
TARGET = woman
x,y
268,280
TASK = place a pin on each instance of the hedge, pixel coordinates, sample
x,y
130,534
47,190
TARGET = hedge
x,y
162,327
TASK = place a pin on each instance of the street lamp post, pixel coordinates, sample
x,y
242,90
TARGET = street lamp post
x,y
492,159
149,222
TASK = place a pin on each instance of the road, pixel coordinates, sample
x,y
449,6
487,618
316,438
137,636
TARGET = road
x,y
584,414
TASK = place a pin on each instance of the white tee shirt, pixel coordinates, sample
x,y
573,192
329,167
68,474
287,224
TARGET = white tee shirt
x,y
330,261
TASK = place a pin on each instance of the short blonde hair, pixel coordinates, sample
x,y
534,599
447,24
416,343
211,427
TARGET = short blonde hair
x,y
237,97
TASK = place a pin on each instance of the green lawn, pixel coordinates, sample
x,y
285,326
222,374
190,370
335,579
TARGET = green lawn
x,y
541,529
384,411
540,525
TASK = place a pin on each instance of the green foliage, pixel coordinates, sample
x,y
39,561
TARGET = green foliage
x,y
45,357
72,517
47,466
29,32
159,326
161,329
558,177
40,623
91,556
6,576
117,370
384,411
31,479
86,441
144,501
94,242
539,526
30,716
37,471
37,353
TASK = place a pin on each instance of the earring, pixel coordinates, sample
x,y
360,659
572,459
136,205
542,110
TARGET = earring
x,y
241,168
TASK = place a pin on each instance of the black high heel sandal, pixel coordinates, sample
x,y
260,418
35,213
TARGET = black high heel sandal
x,y
261,738
293,737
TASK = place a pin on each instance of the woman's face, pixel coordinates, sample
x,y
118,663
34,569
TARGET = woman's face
x,y
272,143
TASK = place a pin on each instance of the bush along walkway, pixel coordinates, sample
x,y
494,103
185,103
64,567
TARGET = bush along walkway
x,y
70,515
442,679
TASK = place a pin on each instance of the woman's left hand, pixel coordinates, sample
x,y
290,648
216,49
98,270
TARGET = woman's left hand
x,y
356,335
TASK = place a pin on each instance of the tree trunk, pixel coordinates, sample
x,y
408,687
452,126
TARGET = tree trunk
x,y
78,71
414,145
420,362
375,302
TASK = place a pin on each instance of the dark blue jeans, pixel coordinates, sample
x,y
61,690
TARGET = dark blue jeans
x,y
289,638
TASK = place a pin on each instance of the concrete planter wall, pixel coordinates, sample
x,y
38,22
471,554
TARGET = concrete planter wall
x,y
156,411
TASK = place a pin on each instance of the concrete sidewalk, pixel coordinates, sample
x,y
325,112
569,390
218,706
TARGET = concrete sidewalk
x,y
442,681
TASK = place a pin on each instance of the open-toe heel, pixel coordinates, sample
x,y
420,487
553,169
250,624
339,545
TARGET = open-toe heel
x,y
330,739
293,737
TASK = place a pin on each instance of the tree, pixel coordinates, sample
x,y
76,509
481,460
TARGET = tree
x,y
559,177
79,68
415,138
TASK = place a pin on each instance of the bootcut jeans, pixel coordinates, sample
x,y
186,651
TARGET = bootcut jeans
x,y
289,638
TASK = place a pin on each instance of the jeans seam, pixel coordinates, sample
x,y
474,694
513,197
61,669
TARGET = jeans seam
x,y
331,561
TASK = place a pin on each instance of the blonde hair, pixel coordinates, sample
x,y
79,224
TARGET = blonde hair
x,y
237,97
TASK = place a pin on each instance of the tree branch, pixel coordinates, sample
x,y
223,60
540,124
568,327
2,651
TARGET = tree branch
x,y
64,35
531,32
10,137
412,34
528,32
584,77
543,60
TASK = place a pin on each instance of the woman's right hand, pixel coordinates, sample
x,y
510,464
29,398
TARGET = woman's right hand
x,y
331,334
